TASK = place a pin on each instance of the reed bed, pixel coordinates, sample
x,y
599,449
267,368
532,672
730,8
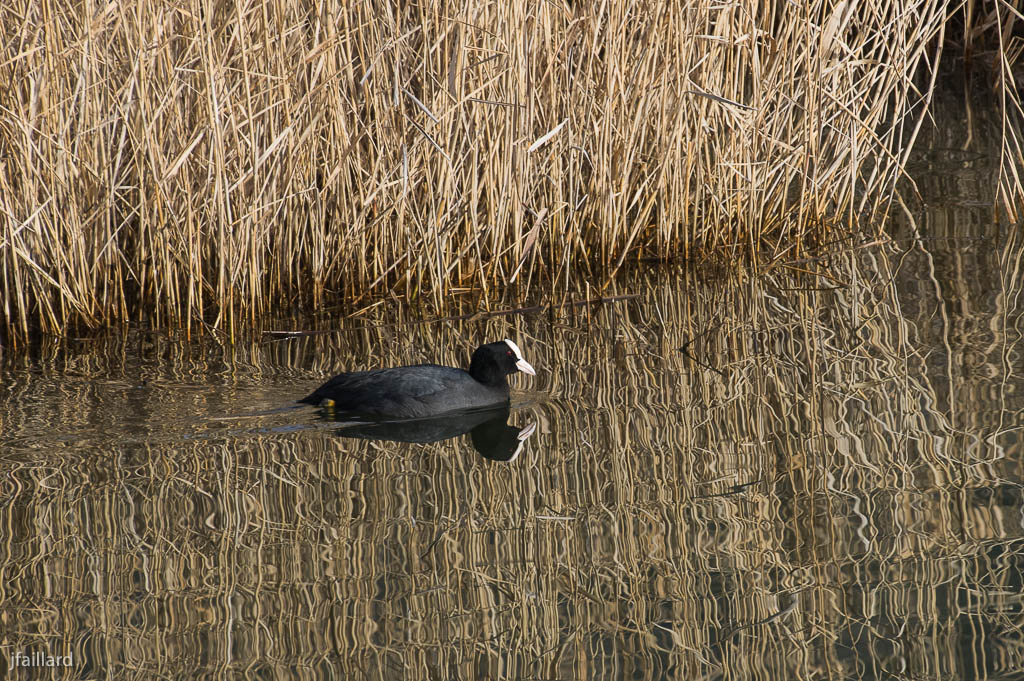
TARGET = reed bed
x,y
211,162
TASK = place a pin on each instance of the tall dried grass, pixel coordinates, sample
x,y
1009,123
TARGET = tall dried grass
x,y
214,161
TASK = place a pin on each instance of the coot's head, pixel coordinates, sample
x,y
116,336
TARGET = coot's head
x,y
491,363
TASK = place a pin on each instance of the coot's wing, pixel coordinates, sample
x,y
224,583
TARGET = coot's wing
x,y
400,391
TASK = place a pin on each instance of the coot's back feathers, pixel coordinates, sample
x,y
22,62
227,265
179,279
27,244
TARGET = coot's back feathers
x,y
425,389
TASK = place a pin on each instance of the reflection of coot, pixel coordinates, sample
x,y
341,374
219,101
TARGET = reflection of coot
x,y
489,431
498,441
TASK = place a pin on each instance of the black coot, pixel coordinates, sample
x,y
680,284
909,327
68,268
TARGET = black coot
x,y
425,389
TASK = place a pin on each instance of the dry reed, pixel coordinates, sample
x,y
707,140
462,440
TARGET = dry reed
x,y
210,161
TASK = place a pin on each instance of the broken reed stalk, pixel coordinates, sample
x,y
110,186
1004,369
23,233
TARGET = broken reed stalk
x,y
215,162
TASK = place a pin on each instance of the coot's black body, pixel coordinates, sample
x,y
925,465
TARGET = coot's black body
x,y
426,389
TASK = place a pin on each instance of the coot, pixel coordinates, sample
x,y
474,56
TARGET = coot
x,y
425,389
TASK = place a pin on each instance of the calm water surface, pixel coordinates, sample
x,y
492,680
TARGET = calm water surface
x,y
812,472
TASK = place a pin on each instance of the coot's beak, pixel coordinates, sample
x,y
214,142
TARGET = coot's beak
x,y
521,363
525,367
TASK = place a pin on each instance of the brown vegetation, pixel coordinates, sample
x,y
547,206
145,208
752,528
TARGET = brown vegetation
x,y
177,162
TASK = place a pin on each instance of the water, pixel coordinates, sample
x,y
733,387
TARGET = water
x,y
813,472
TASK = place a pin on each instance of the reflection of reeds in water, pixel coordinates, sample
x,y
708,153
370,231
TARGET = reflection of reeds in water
x,y
827,481
219,163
